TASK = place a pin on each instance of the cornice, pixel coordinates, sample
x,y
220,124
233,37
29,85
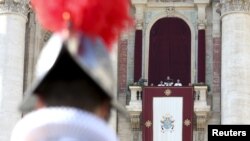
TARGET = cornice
x,y
202,1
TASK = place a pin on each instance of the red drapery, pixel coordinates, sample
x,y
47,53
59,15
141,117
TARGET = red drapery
x,y
138,55
170,51
201,56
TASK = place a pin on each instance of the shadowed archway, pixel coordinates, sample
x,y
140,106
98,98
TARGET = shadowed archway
x,y
170,51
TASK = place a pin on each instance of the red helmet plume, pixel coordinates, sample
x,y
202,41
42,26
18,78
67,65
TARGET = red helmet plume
x,y
96,18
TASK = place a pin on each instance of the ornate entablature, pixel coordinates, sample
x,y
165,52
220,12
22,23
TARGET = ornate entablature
x,y
230,6
16,6
146,9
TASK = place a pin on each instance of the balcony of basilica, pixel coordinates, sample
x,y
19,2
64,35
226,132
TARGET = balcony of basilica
x,y
201,110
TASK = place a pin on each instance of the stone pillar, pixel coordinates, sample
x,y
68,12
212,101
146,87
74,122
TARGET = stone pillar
x,y
13,18
235,69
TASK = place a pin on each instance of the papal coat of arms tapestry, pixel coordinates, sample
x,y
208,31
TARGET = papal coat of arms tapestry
x,y
167,113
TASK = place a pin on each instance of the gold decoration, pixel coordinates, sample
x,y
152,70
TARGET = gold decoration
x,y
187,122
167,92
148,123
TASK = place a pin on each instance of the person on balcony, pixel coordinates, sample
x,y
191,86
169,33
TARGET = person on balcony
x,y
169,82
178,83
161,84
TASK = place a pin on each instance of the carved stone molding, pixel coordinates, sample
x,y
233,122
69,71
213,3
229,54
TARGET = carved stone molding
x,y
170,11
17,6
201,8
202,23
229,6
46,36
135,121
139,24
139,15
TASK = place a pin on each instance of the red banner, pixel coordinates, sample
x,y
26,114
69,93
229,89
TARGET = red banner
x,y
167,113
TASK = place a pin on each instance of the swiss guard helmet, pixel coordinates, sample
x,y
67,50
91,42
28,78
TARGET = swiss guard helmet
x,y
66,59
80,42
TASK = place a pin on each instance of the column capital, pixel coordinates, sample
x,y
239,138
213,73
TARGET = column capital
x,y
20,7
139,15
201,7
202,23
232,6
139,24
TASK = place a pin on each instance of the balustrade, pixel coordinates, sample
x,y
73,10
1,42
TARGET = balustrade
x,y
201,108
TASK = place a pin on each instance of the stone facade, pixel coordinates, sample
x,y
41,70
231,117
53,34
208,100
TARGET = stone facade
x,y
226,24
198,15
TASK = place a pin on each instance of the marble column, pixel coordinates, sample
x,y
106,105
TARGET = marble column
x,y
235,69
13,18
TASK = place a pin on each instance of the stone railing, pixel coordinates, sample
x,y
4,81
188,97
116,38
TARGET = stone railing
x,y
200,98
135,107
135,102
201,108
